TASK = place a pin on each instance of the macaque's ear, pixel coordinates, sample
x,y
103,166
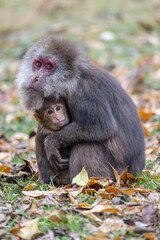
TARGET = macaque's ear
x,y
37,118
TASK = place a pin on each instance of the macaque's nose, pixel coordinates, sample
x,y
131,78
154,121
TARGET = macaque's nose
x,y
58,118
35,79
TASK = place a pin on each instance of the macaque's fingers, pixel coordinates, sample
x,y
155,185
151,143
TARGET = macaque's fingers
x,y
62,163
58,163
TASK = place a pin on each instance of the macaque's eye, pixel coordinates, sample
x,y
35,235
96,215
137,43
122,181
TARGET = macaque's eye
x,y
38,64
49,66
50,112
58,108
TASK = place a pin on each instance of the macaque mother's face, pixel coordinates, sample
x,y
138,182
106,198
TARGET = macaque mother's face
x,y
48,69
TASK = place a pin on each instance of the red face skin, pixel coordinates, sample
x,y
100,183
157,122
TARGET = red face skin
x,y
42,68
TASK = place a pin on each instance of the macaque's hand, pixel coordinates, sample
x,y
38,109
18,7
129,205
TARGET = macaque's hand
x,y
53,155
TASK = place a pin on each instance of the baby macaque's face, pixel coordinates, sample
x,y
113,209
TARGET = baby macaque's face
x,y
54,116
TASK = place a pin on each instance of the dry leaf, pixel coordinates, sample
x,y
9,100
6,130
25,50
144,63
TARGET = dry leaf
x,y
101,208
19,137
145,116
5,168
5,156
81,179
150,236
112,224
30,186
57,215
75,191
28,230
38,193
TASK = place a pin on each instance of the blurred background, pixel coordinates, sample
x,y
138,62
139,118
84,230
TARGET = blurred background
x,y
123,36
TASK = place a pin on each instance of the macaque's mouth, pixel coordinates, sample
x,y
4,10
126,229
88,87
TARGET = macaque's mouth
x,y
59,123
36,90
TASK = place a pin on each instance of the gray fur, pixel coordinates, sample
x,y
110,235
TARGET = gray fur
x,y
105,127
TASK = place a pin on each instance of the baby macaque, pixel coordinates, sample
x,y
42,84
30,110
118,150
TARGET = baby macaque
x,y
52,117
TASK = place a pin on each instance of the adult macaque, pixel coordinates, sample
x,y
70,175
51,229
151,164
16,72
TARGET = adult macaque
x,y
105,127
52,117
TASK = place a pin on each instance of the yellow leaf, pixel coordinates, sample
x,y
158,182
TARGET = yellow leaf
x,y
5,168
144,115
81,179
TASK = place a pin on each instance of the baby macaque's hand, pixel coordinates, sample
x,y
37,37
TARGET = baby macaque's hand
x,y
53,154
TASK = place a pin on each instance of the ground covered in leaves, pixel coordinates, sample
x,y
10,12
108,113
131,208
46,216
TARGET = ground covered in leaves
x,y
123,37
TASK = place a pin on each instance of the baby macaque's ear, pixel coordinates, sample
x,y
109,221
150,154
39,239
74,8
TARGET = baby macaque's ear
x,y
37,118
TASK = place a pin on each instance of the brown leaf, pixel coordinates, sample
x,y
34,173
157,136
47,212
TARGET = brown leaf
x,y
146,132
117,176
129,191
112,189
122,176
98,236
145,116
150,236
5,168
101,208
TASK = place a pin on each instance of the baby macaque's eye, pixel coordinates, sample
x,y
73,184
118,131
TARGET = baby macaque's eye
x,y
58,108
50,112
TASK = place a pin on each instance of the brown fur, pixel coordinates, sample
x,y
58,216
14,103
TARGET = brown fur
x,y
46,169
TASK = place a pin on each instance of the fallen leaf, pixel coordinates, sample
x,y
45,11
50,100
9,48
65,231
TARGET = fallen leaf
x,y
5,156
145,116
19,137
112,224
38,193
28,230
75,191
57,215
101,208
5,168
97,235
30,186
129,191
81,179
150,236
